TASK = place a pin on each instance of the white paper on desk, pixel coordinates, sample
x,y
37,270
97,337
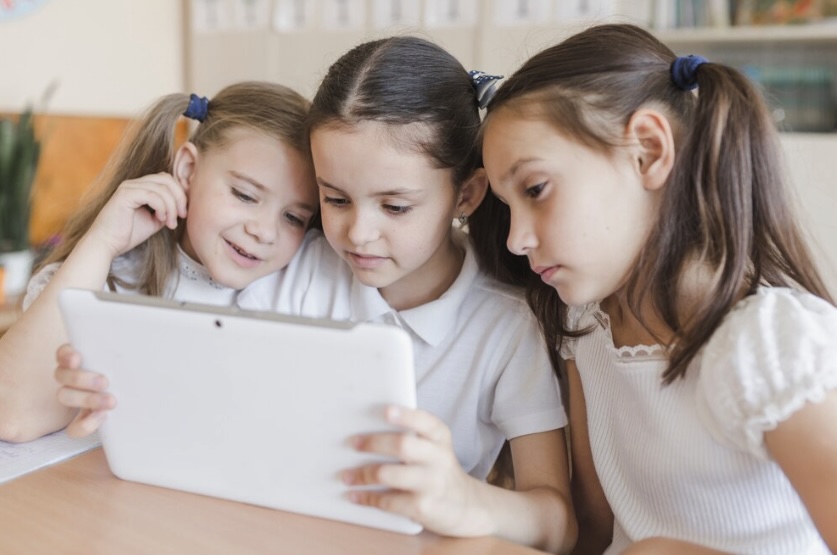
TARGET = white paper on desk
x,y
17,459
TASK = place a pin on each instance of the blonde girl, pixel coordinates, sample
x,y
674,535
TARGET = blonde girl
x,y
245,175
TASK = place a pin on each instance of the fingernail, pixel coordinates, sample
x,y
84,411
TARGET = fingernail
x,y
393,413
348,477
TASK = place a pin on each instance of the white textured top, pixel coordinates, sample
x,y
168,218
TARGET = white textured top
x,y
481,365
192,283
687,460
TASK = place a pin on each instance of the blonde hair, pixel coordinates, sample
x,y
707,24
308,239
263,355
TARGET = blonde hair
x,y
149,147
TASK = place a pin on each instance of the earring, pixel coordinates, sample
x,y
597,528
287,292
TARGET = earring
x,y
463,219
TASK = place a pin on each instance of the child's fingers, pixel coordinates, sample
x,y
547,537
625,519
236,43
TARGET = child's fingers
x,y
420,422
405,447
67,357
393,476
398,502
86,422
81,379
175,188
79,398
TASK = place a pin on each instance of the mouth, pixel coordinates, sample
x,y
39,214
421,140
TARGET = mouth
x,y
243,253
546,272
365,260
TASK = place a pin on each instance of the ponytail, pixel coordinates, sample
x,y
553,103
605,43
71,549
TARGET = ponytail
x,y
148,147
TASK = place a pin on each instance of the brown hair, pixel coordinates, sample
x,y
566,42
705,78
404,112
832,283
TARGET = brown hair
x,y
415,86
149,147
725,204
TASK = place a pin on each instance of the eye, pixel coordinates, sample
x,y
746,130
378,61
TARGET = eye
x,y
535,190
242,196
295,221
396,209
335,201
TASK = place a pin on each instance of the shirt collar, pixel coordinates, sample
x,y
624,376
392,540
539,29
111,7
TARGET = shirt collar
x,y
431,321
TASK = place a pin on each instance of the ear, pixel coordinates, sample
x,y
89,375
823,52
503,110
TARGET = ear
x,y
472,192
185,163
651,132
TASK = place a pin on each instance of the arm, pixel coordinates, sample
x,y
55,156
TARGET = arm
x,y
28,406
805,446
431,488
595,519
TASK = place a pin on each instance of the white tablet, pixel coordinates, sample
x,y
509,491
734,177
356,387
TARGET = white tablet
x,y
254,407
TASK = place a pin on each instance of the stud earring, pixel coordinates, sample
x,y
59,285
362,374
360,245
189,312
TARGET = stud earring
x,y
463,219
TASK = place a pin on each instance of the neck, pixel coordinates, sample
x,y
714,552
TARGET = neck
x,y
631,329
428,283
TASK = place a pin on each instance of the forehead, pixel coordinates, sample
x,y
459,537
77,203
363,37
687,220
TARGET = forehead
x,y
372,152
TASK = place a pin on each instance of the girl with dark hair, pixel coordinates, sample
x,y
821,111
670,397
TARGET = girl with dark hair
x,y
393,131
246,171
646,192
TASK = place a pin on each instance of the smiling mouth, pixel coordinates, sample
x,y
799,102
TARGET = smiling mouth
x,y
242,252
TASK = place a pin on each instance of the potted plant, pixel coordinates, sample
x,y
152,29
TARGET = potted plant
x,y
20,151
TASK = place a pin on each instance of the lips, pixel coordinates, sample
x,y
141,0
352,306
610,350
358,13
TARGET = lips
x,y
365,261
546,272
242,257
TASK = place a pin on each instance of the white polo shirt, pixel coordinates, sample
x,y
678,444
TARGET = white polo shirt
x,y
481,364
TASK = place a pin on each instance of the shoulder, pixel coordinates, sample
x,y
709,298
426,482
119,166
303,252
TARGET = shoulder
x,y
315,266
773,353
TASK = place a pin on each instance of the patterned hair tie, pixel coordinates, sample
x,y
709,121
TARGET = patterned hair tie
x,y
198,107
484,86
684,71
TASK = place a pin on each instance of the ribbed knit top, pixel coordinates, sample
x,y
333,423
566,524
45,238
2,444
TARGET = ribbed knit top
x,y
687,460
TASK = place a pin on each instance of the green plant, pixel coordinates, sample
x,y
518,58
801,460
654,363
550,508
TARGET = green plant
x,y
20,151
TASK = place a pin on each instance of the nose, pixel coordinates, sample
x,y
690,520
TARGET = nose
x,y
362,228
263,226
522,238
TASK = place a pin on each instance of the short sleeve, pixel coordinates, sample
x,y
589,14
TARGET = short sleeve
x,y
527,398
38,283
775,352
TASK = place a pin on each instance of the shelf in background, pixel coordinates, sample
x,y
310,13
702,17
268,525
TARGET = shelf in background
x,y
800,34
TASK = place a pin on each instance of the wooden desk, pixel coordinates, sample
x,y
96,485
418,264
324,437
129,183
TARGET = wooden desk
x,y
78,506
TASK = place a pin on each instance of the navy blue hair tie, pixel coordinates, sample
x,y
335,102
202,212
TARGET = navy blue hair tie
x,y
684,71
484,86
198,107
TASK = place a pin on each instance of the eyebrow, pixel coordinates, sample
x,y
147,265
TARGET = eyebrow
x,y
248,179
516,166
387,193
262,188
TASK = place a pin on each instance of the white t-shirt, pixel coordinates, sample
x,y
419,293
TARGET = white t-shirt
x,y
481,365
191,284
687,460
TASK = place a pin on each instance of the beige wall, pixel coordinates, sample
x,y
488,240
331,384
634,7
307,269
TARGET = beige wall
x,y
109,57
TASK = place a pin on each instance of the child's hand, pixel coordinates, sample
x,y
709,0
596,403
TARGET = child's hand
x,y
428,486
83,390
138,209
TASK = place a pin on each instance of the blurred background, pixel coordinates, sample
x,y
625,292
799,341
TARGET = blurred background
x,y
86,67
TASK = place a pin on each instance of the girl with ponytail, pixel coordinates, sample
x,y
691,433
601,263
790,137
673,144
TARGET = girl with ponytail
x,y
247,179
646,193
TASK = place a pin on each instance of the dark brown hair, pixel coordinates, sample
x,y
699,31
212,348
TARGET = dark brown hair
x,y
725,206
416,87
149,147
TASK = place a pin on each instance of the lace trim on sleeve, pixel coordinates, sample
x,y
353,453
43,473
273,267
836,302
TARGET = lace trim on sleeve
x,y
774,353
38,283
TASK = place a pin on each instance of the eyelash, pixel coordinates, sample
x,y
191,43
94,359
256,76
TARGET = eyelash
x,y
243,197
393,209
534,191
397,210
295,221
